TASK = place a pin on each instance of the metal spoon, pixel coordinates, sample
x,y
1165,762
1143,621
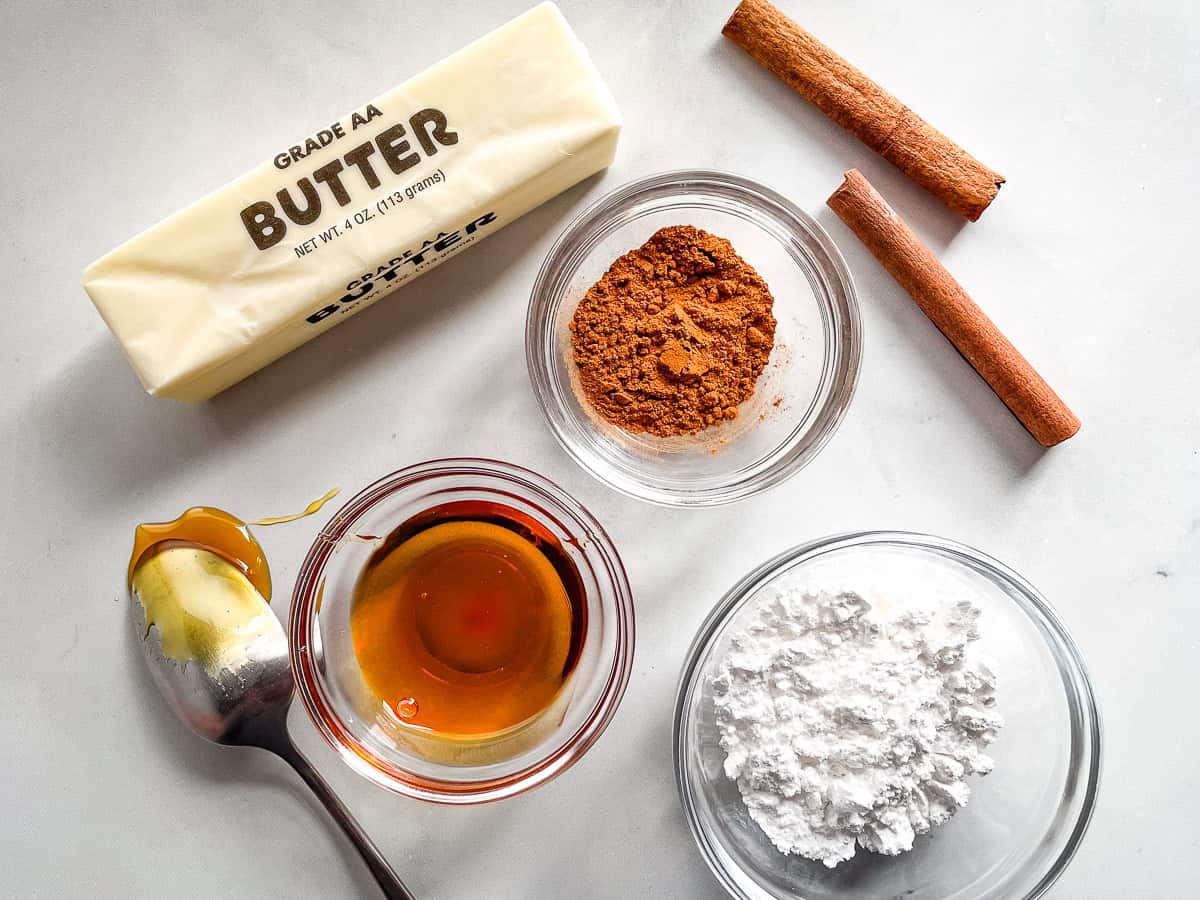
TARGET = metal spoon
x,y
248,706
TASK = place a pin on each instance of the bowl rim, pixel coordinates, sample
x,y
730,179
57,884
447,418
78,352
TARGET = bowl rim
x,y
1074,670
562,754
845,338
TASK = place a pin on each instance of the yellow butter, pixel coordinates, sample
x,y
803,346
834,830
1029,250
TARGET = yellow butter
x,y
339,219
206,611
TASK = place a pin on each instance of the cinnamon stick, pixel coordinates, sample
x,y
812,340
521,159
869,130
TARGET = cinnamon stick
x,y
858,104
949,307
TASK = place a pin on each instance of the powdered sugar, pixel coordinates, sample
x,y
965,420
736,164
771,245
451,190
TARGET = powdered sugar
x,y
846,725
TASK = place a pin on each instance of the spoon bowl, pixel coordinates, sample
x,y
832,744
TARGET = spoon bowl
x,y
229,707
246,704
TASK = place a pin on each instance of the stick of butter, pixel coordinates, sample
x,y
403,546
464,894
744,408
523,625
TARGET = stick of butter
x,y
329,225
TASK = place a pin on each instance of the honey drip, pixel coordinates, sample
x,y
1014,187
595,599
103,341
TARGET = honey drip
x,y
309,510
468,620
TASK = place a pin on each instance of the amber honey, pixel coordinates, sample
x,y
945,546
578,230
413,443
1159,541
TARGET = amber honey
x,y
209,529
468,619
219,532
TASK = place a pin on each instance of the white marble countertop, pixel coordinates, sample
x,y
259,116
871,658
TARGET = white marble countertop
x,y
116,114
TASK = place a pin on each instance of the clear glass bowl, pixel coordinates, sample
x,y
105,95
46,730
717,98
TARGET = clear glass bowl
x,y
364,730
801,396
1024,820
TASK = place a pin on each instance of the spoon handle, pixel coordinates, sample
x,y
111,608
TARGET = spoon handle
x,y
391,885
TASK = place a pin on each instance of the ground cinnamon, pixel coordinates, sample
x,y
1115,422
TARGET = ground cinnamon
x,y
861,106
942,299
675,334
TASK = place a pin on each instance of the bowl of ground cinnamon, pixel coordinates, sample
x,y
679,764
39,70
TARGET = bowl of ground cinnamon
x,y
693,338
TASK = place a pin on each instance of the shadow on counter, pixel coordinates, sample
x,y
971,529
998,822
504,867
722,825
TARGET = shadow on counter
x,y
113,440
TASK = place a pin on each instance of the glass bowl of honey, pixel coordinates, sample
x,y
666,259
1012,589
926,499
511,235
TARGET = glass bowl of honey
x,y
461,631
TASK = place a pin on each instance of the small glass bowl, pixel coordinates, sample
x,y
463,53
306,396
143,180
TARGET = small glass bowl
x,y
800,397
1024,820
363,729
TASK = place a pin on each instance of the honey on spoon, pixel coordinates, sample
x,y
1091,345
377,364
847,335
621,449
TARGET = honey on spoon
x,y
198,588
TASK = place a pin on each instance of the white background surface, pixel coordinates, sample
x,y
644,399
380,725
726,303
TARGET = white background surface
x,y
115,115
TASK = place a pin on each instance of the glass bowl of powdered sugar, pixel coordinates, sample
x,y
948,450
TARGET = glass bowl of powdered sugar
x,y
884,715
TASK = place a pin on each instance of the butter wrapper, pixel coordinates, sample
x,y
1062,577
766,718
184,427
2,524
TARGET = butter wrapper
x,y
343,217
